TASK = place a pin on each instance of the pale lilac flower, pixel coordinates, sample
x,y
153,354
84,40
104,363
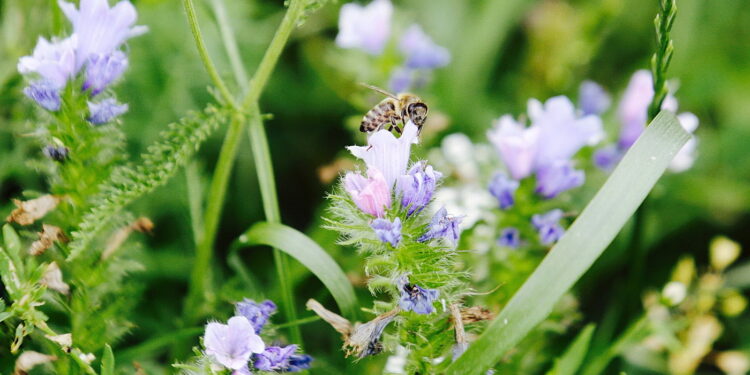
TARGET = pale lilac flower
x,y
387,231
232,344
443,226
562,132
548,226
556,177
417,186
415,298
388,154
401,79
101,70
503,188
510,237
101,29
516,144
686,156
255,313
45,94
105,110
365,27
56,153
420,51
633,108
592,98
607,157
372,194
274,358
55,62
298,362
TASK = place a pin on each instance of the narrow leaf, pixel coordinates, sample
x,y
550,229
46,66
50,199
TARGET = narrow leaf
x,y
581,245
307,252
9,275
108,361
571,360
13,246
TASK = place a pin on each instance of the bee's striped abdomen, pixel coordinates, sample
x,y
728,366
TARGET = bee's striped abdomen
x,y
383,113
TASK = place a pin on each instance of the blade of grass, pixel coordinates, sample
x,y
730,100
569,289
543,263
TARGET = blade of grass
x,y
572,359
582,244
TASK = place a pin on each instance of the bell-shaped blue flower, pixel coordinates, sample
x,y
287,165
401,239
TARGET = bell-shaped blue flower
x,y
548,226
557,177
443,226
417,186
45,94
105,111
415,298
503,188
510,237
256,313
387,231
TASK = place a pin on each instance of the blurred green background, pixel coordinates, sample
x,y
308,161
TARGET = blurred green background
x,y
503,52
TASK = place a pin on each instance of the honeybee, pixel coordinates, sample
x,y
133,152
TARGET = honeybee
x,y
394,111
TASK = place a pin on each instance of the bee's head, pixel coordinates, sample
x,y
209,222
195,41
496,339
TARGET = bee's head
x,y
417,113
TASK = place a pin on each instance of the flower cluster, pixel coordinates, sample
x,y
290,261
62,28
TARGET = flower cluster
x,y
237,345
90,56
368,28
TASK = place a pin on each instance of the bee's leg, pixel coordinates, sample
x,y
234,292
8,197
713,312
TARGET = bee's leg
x,y
394,124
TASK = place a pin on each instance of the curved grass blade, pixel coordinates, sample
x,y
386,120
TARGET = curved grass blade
x,y
310,254
583,243
571,360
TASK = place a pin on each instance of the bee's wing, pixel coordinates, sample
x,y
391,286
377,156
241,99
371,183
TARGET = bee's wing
x,y
378,89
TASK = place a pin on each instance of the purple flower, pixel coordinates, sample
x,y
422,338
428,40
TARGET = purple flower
x,y
54,62
516,144
372,194
274,358
102,70
557,177
388,232
503,188
232,344
592,98
388,154
420,51
298,362
104,111
255,313
633,108
562,133
417,186
548,226
442,225
45,94
99,28
415,298
365,27
56,153
607,157
401,79
510,237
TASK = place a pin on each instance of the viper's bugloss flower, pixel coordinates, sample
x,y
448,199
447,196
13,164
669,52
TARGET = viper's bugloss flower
x,y
56,153
45,94
562,132
372,194
415,298
633,109
503,188
607,157
386,153
103,69
548,226
255,313
99,28
387,231
232,344
105,111
274,358
299,362
420,51
54,62
516,144
510,237
417,186
443,226
556,177
365,27
592,99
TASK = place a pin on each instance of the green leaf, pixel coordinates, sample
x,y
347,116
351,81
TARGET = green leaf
x,y
13,246
108,361
307,252
9,275
571,360
581,245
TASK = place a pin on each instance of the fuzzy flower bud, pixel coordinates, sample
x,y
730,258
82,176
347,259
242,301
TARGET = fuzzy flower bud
x,y
45,94
388,232
415,298
556,178
56,153
510,237
372,194
503,188
105,111
256,313
417,186
548,226
443,226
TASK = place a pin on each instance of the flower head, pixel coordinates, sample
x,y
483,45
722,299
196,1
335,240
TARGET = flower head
x,y
633,108
503,188
372,194
255,313
390,155
56,153
99,28
274,358
510,237
516,144
442,226
102,70
45,94
557,177
53,61
388,232
365,27
105,110
417,186
592,98
415,298
232,344
548,226
420,51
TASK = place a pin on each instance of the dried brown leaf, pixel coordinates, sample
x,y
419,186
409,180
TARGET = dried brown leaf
x,y
32,210
47,237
